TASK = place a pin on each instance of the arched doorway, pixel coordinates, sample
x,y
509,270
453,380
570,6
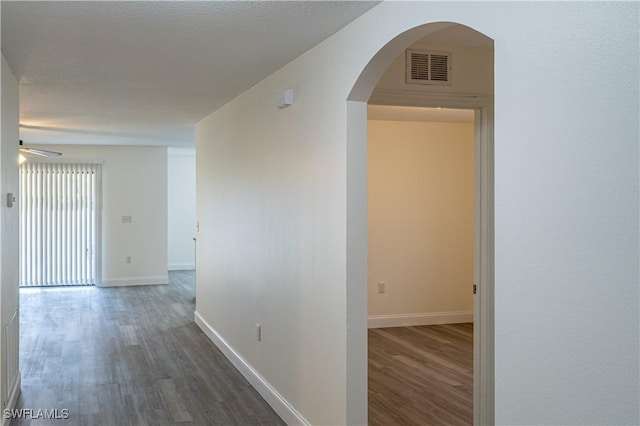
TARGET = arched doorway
x,y
357,213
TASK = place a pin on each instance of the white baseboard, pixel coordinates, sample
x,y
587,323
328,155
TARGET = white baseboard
x,y
181,266
281,406
406,320
13,399
125,282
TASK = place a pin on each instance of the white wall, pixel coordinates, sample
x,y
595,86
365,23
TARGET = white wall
x,y
134,183
273,208
420,222
181,205
271,247
9,217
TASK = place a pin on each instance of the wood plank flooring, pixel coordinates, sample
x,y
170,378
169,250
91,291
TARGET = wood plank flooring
x,y
128,356
421,375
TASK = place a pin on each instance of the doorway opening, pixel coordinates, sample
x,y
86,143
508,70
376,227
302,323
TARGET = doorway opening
x,y
59,224
388,82
420,265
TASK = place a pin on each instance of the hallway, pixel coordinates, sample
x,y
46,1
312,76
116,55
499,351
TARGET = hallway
x,y
128,356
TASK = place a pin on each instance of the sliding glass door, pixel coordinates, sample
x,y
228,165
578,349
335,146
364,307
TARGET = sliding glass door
x,y
59,224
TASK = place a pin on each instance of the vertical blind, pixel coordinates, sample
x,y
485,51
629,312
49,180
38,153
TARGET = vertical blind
x,y
58,229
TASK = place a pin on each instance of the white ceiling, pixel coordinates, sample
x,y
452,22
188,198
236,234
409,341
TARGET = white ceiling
x,y
143,72
405,113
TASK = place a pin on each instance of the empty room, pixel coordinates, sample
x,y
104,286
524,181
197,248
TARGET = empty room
x,y
313,269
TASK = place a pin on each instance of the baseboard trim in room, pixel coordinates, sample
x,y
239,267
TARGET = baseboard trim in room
x,y
280,405
181,266
125,282
432,318
13,399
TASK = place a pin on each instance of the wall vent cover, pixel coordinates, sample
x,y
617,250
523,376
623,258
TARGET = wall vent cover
x,y
428,67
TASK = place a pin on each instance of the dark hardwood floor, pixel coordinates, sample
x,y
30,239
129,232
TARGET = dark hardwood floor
x,y
128,356
421,375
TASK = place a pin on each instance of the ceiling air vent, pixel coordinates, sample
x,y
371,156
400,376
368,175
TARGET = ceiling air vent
x,y
427,67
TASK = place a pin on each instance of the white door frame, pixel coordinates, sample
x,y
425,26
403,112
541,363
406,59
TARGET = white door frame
x,y
483,301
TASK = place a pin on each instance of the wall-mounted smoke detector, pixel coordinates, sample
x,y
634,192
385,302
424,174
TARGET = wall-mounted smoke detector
x,y
286,98
428,67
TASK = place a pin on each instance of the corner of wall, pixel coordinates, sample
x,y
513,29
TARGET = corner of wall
x,y
9,239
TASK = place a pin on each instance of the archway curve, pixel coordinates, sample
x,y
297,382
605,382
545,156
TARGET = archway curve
x,y
357,229
380,62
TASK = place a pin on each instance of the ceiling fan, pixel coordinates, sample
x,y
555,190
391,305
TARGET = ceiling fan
x,y
41,152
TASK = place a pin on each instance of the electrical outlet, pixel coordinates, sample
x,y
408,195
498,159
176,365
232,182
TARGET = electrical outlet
x,y
381,287
127,259
258,332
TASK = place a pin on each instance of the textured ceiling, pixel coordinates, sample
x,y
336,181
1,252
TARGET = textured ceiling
x,y
146,72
